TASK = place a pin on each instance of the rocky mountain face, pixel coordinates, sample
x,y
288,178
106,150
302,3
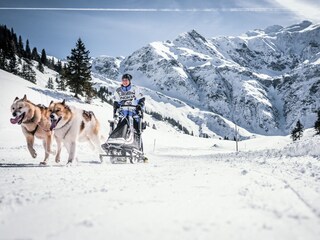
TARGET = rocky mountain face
x,y
264,80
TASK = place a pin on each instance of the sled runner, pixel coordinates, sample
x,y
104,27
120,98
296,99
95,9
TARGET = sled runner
x,y
125,143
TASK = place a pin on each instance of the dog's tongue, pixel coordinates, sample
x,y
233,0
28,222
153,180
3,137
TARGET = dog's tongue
x,y
15,120
53,124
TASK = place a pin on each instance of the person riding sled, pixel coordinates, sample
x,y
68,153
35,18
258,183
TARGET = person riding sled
x,y
127,125
129,95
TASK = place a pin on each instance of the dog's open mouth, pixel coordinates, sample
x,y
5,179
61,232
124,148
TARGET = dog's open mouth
x,y
54,123
18,119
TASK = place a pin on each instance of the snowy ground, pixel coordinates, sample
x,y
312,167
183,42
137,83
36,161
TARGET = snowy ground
x,y
172,197
192,188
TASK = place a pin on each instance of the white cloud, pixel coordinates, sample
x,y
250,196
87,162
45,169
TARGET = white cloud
x,y
306,9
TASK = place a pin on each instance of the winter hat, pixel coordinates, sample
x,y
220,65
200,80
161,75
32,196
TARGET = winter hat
x,y
127,76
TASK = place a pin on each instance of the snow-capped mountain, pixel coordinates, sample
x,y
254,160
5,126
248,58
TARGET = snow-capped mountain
x,y
264,80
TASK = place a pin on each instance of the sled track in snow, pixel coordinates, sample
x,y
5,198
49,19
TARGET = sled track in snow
x,y
294,191
312,209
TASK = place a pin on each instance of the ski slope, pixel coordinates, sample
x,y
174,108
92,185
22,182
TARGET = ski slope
x,y
192,188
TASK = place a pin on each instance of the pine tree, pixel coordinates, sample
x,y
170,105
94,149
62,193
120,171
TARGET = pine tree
x,y
50,84
13,65
28,73
20,49
34,55
50,63
13,42
90,92
4,39
300,129
13,45
60,84
103,93
9,51
58,67
297,132
3,62
28,51
317,124
40,67
294,135
44,59
14,38
78,71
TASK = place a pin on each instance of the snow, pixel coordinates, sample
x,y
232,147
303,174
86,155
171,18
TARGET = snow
x,y
192,188
190,52
252,90
163,50
317,62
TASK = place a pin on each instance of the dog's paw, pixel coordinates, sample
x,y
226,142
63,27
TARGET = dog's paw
x,y
70,164
43,163
33,153
57,160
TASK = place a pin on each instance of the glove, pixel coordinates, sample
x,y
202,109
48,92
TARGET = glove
x,y
138,108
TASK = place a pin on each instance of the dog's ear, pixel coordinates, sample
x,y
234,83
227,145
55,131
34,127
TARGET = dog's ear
x,y
15,99
24,98
63,102
50,103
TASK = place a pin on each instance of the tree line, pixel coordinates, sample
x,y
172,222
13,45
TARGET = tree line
x,y
16,56
169,120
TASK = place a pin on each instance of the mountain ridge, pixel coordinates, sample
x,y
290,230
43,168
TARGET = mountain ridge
x,y
246,79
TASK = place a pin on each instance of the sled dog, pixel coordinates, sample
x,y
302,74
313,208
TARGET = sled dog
x,y
35,122
70,125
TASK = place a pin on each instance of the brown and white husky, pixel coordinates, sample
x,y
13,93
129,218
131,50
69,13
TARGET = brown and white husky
x,y
70,125
35,122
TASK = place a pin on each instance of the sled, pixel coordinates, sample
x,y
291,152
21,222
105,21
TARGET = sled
x,y
123,154
124,144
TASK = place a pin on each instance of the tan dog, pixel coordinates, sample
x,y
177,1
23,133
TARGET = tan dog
x,y
70,125
34,121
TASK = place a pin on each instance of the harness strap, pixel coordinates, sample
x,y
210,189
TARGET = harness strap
x,y
34,131
64,124
67,132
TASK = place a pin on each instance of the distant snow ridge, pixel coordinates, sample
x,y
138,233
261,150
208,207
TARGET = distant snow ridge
x,y
264,80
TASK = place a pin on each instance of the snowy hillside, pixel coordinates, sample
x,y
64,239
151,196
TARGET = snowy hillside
x,y
192,188
264,80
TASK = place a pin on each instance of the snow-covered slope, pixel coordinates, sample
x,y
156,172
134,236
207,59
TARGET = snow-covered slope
x,y
192,187
264,80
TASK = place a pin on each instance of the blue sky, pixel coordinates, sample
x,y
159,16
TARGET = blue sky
x,y
125,26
